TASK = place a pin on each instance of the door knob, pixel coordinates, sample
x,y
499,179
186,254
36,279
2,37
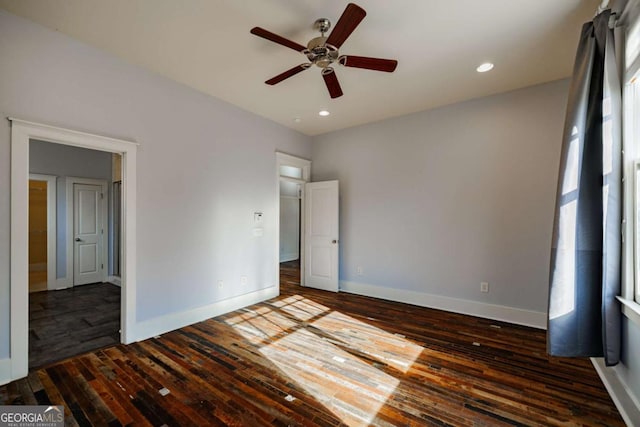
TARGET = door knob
x,y
334,241
78,239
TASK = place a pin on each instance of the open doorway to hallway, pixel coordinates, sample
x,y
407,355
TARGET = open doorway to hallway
x,y
76,308
308,224
292,174
290,273
290,230
22,133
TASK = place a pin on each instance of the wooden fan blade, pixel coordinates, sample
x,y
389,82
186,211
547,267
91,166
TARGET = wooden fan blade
x,y
261,32
331,80
377,64
292,72
351,17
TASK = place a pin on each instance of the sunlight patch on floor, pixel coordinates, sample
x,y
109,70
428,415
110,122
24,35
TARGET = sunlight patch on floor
x,y
339,360
350,388
373,342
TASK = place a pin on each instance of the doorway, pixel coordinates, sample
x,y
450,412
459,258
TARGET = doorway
x,y
290,211
68,317
290,231
292,173
22,132
317,227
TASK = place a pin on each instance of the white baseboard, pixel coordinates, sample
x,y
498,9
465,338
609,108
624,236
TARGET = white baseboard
x,y
503,313
625,401
5,371
114,280
289,257
163,324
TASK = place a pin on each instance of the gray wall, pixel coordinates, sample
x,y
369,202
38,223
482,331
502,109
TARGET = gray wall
x,y
63,161
194,223
441,200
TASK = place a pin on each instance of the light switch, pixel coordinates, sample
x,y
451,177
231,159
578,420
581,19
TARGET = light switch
x,y
257,217
257,232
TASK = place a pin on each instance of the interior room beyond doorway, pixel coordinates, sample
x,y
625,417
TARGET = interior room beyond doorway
x,y
77,308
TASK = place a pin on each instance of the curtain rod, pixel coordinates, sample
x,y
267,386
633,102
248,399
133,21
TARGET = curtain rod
x,y
603,6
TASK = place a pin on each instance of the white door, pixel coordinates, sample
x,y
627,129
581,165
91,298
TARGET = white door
x,y
88,234
321,235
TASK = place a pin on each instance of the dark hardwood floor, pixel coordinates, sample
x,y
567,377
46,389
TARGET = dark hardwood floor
x,y
290,273
321,359
72,321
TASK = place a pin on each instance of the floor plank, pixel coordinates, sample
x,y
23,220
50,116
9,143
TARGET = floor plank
x,y
314,358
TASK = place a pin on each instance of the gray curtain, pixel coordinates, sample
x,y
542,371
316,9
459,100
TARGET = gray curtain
x,y
584,315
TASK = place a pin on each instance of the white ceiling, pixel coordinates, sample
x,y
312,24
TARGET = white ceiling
x,y
206,44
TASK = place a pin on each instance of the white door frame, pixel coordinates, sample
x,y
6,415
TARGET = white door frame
x,y
52,229
21,133
71,180
283,159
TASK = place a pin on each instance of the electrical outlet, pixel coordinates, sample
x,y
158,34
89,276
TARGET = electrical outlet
x,y
359,271
243,280
220,284
484,286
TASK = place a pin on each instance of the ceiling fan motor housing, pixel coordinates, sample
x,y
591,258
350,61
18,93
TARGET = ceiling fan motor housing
x,y
320,53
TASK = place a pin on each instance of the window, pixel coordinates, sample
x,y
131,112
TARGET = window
x,y
631,156
632,137
291,171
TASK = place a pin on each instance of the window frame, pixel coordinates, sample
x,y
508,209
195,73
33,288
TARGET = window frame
x,y
628,35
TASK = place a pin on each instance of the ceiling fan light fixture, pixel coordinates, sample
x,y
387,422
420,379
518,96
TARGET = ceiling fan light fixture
x,y
483,68
323,113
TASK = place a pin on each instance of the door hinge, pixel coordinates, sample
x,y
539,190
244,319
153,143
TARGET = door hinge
x,y
102,195
102,231
102,266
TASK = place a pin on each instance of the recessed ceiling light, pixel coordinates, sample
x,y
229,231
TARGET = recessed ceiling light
x,y
324,113
297,119
483,68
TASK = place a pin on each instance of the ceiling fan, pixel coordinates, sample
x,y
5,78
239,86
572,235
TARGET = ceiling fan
x,y
323,51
